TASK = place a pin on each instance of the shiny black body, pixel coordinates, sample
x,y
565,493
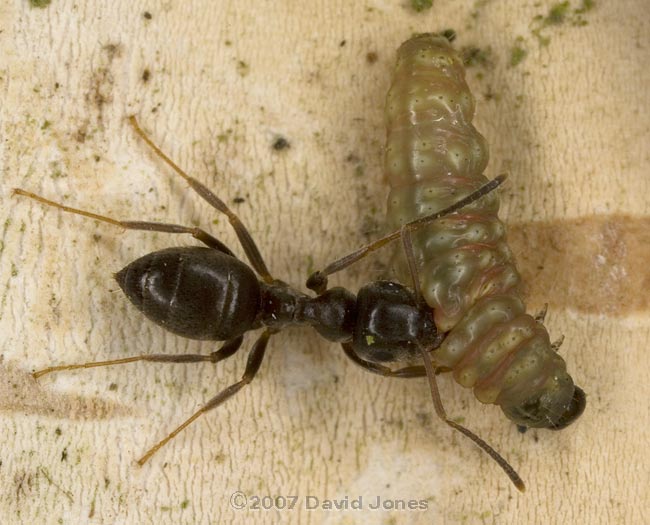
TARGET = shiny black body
x,y
208,294
195,292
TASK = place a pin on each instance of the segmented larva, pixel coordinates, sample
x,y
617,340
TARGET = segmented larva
x,y
434,157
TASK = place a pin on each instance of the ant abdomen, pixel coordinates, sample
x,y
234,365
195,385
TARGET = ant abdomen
x,y
195,292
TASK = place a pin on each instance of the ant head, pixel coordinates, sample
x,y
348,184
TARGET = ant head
x,y
555,406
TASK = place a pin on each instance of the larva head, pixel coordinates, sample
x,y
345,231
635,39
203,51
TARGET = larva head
x,y
554,406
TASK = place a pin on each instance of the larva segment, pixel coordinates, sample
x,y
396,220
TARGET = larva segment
x,y
434,157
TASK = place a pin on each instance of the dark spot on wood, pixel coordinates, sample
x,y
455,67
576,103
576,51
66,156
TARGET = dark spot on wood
x,y
112,51
81,134
101,82
280,144
371,57
352,157
146,75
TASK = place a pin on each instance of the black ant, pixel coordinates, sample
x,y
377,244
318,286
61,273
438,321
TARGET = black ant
x,y
210,294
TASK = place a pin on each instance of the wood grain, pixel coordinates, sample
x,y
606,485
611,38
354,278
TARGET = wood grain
x,y
216,84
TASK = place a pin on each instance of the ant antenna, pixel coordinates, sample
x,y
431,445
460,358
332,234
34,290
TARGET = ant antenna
x,y
318,280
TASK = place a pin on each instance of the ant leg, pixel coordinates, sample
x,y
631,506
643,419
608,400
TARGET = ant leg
x,y
197,233
431,372
406,372
375,368
319,277
226,350
440,411
245,238
252,366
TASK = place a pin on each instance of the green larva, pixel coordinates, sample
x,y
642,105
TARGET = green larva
x,y
434,157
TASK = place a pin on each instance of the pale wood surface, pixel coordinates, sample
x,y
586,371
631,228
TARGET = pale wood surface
x,y
570,123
